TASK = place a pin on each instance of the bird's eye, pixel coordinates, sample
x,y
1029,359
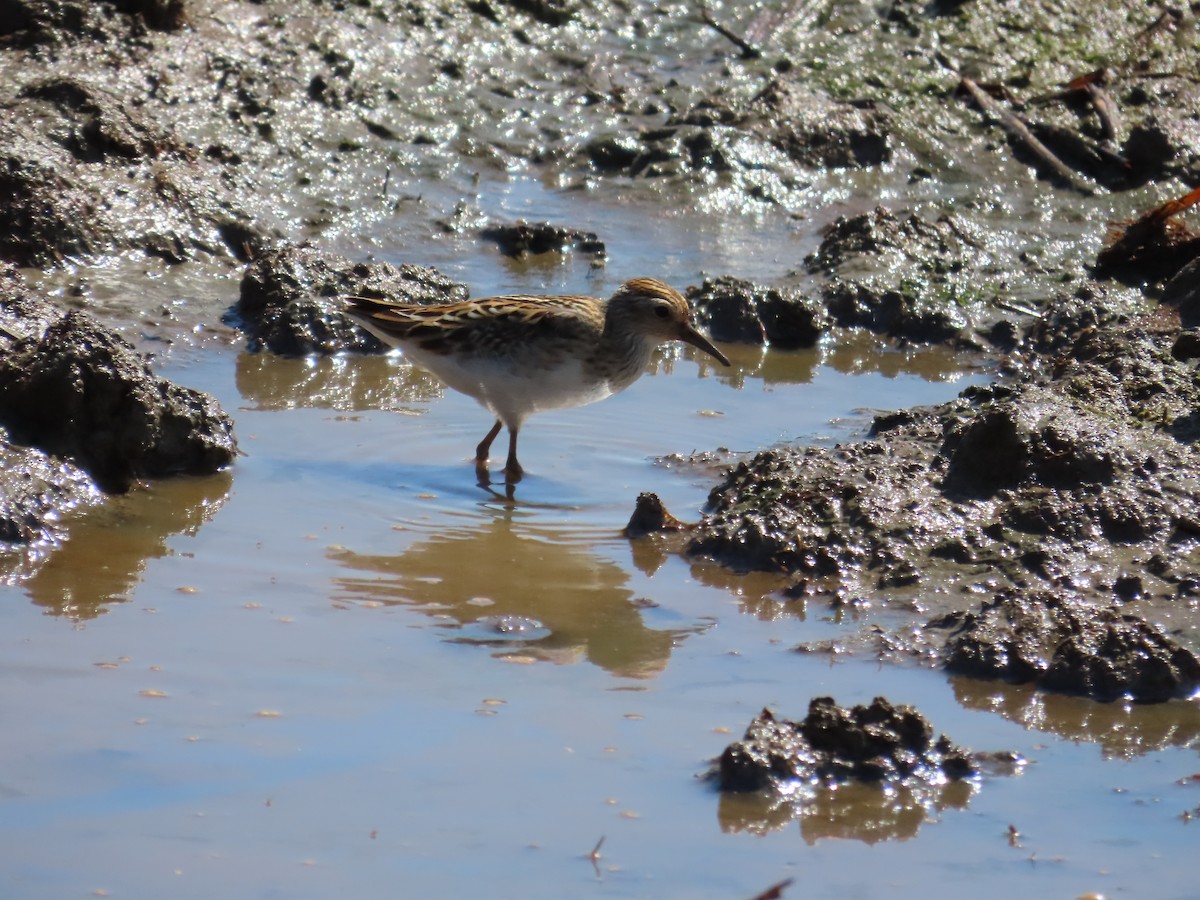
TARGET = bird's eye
x,y
662,312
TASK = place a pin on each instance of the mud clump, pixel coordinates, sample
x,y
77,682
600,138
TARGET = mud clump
x,y
38,21
650,516
816,131
904,277
1079,481
1031,436
291,299
73,390
834,745
524,239
80,392
740,311
1062,643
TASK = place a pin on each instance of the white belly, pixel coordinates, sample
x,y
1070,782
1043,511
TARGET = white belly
x,y
513,395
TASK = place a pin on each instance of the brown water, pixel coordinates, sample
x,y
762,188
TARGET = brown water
x,y
344,669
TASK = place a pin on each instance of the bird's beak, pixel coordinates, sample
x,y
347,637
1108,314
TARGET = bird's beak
x,y
689,335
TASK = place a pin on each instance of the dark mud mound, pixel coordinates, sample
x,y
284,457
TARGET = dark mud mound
x,y
815,130
522,239
834,745
1081,479
870,773
48,21
740,311
904,277
1100,451
292,296
81,392
762,145
1063,643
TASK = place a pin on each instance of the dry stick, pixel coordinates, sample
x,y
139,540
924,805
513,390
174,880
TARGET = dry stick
x,y
594,856
1150,225
1020,131
1106,110
1093,84
1017,308
749,51
774,892
1164,21
1173,207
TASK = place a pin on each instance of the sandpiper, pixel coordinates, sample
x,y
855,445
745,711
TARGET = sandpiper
x,y
518,355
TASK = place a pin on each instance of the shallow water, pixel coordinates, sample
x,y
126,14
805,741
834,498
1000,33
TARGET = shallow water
x,y
343,668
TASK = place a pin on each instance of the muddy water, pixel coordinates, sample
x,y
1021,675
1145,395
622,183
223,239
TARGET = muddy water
x,y
344,668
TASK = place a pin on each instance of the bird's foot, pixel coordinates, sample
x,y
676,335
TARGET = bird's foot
x,y
482,472
513,471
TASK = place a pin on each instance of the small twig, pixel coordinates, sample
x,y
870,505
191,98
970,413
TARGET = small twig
x,y
1017,308
1092,84
775,891
952,223
594,856
9,333
1164,22
749,51
1020,132
1106,111
387,179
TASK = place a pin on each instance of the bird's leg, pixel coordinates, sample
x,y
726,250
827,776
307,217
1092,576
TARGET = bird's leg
x,y
481,452
512,468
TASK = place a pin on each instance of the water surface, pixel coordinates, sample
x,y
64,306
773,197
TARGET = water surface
x,y
344,668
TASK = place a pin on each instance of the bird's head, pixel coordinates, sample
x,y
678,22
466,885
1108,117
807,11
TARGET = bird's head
x,y
655,309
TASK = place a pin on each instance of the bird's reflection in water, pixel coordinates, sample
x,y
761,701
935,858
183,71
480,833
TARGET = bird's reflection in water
x,y
528,593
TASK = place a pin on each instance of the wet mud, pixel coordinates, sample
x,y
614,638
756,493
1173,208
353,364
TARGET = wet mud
x,y
834,745
1047,521
888,753
969,179
82,414
292,297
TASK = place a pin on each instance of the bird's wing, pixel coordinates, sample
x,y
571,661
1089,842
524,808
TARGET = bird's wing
x,y
488,326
